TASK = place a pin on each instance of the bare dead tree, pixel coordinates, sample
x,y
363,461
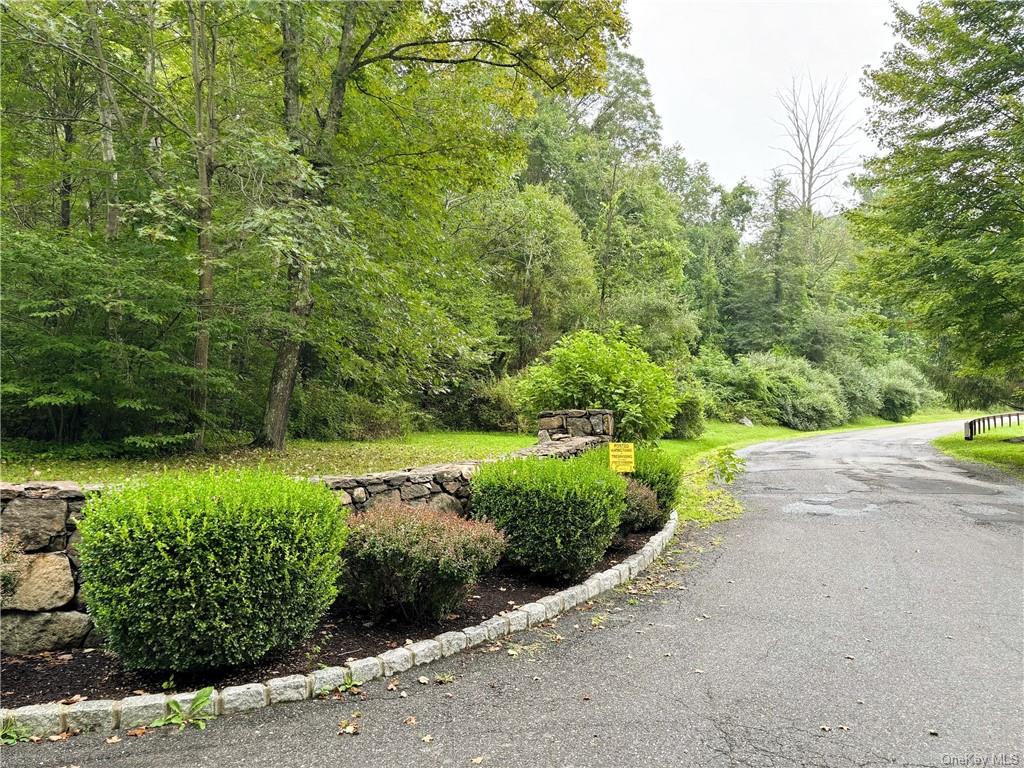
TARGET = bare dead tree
x,y
818,132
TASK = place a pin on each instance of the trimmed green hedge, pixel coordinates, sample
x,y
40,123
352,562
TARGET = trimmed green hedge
x,y
192,571
414,561
642,511
655,470
662,474
558,517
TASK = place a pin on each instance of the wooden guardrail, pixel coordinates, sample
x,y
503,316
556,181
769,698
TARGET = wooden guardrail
x,y
982,423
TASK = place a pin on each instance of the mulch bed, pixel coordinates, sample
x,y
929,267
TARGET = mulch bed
x,y
95,674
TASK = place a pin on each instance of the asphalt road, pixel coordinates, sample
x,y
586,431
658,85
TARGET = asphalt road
x,y
866,610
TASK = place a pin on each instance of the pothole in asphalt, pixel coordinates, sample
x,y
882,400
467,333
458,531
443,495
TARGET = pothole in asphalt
x,y
984,514
828,508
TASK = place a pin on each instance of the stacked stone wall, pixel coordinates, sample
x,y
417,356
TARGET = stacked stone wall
x,y
45,610
588,422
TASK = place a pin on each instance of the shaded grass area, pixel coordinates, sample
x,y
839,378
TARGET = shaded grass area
x,y
705,501
301,457
989,448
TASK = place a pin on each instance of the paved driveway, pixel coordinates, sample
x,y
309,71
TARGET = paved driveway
x,y
865,611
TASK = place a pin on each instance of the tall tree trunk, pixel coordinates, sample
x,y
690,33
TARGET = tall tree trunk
x,y
282,379
109,114
65,176
203,64
286,366
606,253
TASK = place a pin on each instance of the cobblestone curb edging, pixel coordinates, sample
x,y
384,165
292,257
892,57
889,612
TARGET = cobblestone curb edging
x,y
108,714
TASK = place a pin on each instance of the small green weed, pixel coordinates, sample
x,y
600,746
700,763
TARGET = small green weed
x,y
194,715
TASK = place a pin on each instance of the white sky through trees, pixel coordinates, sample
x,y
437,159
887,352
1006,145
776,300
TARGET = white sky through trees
x,y
715,68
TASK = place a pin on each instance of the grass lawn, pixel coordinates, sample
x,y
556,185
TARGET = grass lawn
x,y
301,457
342,457
989,448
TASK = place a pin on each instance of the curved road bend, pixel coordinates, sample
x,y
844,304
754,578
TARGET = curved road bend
x,y
865,611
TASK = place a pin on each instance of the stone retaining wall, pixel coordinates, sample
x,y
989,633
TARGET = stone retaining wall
x,y
442,486
562,425
46,612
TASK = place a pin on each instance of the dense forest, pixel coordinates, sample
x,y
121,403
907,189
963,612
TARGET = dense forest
x,y
240,221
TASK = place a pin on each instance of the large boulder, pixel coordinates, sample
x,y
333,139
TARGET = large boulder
x,y
23,633
442,502
46,582
34,521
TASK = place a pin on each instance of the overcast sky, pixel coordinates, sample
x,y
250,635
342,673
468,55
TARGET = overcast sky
x,y
715,67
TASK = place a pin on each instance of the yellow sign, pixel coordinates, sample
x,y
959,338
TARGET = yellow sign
x,y
621,457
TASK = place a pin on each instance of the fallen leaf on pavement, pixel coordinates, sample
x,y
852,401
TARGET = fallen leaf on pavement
x,y
410,720
137,731
423,680
477,760
113,740
428,738
350,727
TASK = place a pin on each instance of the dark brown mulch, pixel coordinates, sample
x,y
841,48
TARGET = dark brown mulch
x,y
95,674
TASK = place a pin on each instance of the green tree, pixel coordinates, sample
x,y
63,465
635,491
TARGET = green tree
x,y
944,203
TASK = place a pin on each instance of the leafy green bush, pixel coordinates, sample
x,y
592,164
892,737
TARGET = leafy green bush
x,y
191,571
654,469
732,390
689,422
642,510
497,406
899,400
586,370
769,387
558,517
662,474
910,378
860,386
799,395
415,561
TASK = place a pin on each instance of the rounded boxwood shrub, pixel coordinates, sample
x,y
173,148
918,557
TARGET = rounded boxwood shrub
x,y
558,517
415,562
587,370
642,510
191,571
662,474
